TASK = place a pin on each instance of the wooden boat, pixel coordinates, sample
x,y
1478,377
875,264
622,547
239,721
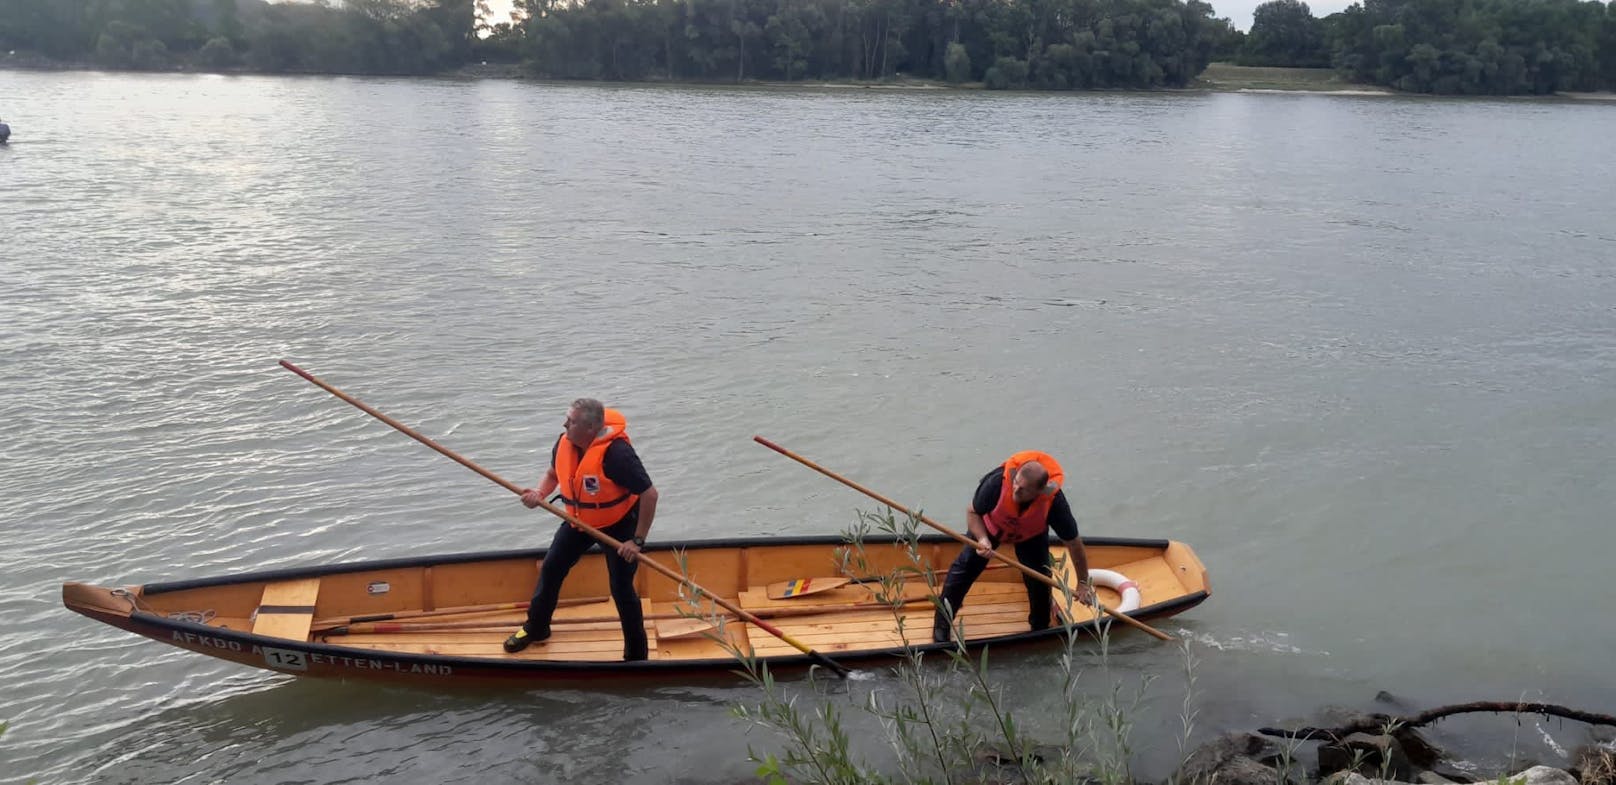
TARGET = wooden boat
x,y
439,621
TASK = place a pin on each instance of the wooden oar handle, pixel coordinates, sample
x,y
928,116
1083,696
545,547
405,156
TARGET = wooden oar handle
x,y
1036,575
900,508
401,427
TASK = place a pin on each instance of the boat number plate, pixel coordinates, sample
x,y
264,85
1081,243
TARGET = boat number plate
x,y
286,659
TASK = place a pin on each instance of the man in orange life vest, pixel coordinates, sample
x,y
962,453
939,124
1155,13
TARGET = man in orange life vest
x,y
603,484
1017,502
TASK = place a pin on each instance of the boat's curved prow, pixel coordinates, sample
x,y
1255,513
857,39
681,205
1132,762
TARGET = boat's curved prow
x,y
92,600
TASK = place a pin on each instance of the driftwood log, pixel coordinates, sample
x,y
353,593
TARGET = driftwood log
x,y
1377,723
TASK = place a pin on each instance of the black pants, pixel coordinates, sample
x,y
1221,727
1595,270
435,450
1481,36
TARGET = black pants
x,y
968,567
566,549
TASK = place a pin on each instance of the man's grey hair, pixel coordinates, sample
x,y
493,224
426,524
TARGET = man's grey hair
x,y
593,411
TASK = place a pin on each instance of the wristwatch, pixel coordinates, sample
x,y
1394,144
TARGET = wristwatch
x,y
640,541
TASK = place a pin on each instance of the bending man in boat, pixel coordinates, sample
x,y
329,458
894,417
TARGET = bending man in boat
x,y
1017,502
603,484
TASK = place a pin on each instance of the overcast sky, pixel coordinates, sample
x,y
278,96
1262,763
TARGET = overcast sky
x,y
1239,11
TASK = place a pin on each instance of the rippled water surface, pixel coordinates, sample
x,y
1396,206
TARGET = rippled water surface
x,y
1360,353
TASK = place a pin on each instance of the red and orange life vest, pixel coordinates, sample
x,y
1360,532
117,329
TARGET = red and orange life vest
x,y
1009,524
589,494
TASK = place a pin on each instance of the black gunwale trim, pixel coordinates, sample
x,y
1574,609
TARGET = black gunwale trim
x,y
290,573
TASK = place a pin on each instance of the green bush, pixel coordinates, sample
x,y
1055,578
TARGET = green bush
x,y
957,63
1007,73
217,54
945,722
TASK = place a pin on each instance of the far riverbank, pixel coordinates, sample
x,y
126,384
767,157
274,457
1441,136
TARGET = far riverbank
x,y
1218,77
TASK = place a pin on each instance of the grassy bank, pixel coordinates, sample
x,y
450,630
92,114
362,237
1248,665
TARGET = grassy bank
x,y
1227,76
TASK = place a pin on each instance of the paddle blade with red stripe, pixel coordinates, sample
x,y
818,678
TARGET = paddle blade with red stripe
x,y
801,587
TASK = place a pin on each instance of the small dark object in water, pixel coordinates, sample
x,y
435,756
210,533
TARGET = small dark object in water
x,y
5,132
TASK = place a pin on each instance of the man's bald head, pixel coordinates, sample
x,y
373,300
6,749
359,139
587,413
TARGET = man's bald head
x,y
1030,480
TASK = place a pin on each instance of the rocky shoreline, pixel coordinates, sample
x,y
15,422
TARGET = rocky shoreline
x,y
1363,749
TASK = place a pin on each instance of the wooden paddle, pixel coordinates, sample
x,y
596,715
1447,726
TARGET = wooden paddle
x,y
802,587
606,540
955,535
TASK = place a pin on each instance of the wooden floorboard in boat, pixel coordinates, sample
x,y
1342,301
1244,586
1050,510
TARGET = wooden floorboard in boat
x,y
879,629
994,608
697,648
601,640
603,651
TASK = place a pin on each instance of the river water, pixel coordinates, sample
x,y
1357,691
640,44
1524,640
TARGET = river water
x,y
1359,352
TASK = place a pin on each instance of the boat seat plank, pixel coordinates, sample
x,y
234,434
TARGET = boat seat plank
x,y
287,609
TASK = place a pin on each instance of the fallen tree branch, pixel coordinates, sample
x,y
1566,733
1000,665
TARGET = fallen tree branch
x,y
1377,723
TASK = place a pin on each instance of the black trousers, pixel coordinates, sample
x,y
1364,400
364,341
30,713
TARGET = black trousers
x,y
566,549
968,567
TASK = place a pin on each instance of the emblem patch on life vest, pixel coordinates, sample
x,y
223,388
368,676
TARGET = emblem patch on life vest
x,y
591,484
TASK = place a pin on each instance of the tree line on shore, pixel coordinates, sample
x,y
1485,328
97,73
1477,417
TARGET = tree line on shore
x,y
1442,46
1456,47
1006,43
1055,44
357,37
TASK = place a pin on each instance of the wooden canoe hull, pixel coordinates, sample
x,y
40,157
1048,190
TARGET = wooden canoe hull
x,y
285,620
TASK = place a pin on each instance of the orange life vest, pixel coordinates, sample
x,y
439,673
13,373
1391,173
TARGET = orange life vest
x,y
1006,521
589,494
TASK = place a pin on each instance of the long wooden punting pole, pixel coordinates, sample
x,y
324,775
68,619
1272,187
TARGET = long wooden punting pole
x,y
606,540
1036,575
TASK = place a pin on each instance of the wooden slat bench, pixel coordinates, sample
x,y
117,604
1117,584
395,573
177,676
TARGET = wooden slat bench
x,y
287,609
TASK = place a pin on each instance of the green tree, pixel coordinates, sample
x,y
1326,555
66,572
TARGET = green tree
x,y
1006,73
217,54
1285,33
115,46
958,63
